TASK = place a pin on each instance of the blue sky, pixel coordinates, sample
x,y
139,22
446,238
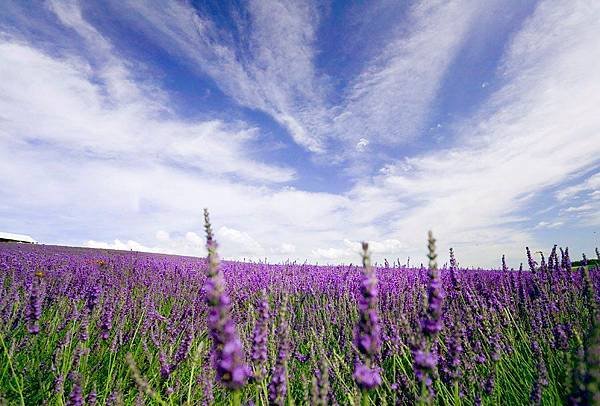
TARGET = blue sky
x,y
305,126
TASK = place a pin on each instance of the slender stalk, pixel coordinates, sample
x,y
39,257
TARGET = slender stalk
x,y
364,398
12,369
236,398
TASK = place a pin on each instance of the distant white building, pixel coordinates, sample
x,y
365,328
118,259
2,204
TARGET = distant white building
x,y
10,237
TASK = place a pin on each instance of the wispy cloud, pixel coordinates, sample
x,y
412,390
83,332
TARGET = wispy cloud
x,y
97,108
390,100
536,131
591,186
88,145
549,225
271,69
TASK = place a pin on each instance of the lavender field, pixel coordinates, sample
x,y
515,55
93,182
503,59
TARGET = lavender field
x,y
84,326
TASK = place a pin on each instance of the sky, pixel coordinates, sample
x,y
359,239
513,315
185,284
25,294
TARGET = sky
x,y
304,126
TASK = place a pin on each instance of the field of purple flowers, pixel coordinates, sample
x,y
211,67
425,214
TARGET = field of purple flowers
x,y
84,326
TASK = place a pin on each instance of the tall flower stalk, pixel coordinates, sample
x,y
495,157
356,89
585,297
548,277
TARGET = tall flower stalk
x,y
453,271
541,379
425,357
367,336
279,378
34,307
260,337
227,352
320,383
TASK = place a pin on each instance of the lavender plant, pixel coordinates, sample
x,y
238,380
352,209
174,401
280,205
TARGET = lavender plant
x,y
227,352
115,327
425,357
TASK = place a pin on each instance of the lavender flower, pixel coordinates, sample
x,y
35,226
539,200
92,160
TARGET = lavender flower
x,y
165,366
106,322
279,378
425,358
561,339
84,334
530,260
541,380
184,348
92,398
76,396
367,336
490,383
34,307
260,337
59,383
453,271
451,370
320,384
93,297
553,260
568,265
227,352
592,364
432,324
114,399
543,266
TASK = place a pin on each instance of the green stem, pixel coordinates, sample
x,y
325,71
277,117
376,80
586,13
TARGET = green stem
x,y
236,398
364,398
12,369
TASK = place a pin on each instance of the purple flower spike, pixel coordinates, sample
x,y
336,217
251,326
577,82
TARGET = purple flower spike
x,y
365,377
227,352
453,271
184,348
260,338
93,297
425,358
34,307
320,384
106,322
367,336
541,380
76,396
278,384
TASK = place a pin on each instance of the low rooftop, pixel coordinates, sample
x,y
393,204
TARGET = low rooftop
x,y
16,237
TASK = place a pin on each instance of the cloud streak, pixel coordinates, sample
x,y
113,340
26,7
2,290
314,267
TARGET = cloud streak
x,y
271,67
90,146
389,101
536,131
98,109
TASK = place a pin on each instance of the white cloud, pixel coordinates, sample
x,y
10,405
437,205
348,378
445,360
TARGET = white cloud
x,y
163,236
74,154
104,112
274,72
188,244
389,101
577,209
117,244
362,144
271,66
548,224
284,249
522,141
239,242
591,185
194,239
352,250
